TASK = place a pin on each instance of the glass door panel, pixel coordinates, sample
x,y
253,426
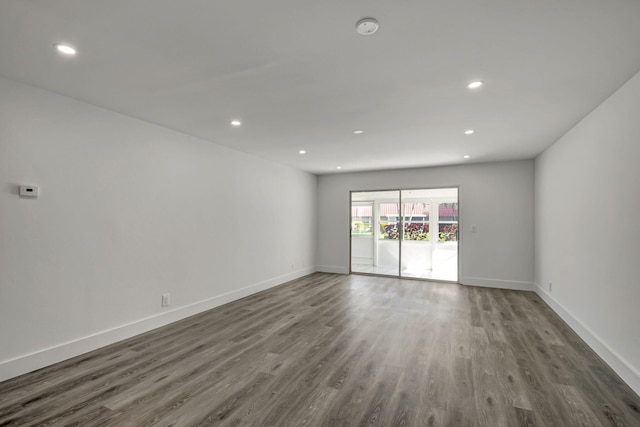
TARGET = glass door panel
x,y
362,242
416,243
429,241
445,256
375,235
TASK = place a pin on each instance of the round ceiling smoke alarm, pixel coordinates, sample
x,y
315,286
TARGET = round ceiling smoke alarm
x,y
367,26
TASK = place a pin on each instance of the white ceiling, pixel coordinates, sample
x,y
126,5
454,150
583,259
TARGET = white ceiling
x,y
299,76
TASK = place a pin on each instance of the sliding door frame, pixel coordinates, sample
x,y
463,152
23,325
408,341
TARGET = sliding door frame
x,y
401,232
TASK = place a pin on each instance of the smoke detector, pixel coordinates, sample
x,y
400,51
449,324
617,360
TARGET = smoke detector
x,y
367,26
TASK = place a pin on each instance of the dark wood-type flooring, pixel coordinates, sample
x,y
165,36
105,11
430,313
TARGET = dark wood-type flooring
x,y
332,350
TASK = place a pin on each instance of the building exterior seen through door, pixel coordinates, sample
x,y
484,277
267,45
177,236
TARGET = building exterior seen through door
x,y
406,233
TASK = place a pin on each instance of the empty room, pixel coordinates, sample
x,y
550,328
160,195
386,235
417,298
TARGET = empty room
x,y
319,213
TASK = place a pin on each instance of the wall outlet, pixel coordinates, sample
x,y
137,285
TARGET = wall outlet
x,y
474,228
29,191
550,287
166,300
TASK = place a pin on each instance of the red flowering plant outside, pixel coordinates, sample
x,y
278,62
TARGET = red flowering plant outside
x,y
412,231
448,233
416,231
389,232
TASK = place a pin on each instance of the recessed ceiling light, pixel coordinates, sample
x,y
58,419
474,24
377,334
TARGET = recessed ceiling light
x,y
367,26
466,157
302,152
358,131
65,48
475,84
338,167
236,123
468,131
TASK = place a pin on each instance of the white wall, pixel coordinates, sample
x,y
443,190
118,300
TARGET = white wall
x,y
496,197
129,211
588,229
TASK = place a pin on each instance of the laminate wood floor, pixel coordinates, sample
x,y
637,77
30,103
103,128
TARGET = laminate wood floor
x,y
332,350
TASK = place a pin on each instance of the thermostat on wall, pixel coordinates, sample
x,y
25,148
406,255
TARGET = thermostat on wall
x,y
29,191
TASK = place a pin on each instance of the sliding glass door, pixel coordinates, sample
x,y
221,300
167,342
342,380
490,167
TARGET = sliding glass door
x,y
406,233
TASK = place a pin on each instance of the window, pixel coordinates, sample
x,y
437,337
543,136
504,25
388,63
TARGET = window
x,y
361,220
416,221
389,219
448,225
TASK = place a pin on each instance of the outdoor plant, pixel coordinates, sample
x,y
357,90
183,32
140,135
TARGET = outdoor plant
x,y
416,231
390,232
449,233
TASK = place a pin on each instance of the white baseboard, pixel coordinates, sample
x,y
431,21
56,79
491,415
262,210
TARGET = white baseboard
x,y
624,369
337,269
29,362
500,284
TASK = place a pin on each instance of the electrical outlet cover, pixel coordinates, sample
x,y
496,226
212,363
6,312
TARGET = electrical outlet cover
x,y
166,300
